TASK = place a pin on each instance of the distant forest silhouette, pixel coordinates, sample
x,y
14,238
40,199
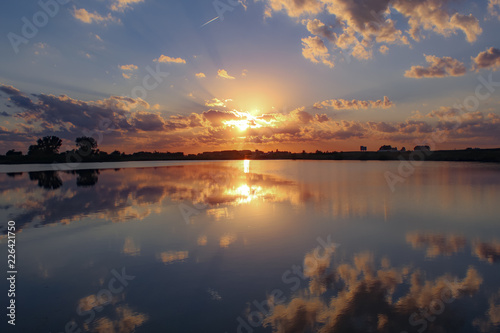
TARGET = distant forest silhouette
x,y
46,150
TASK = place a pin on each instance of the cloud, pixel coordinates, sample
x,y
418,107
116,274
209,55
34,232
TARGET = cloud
x,y
130,67
342,104
437,67
84,16
362,24
122,5
167,59
315,50
200,75
222,73
318,28
384,49
10,90
494,7
146,121
487,59
133,125
294,8
433,15
214,102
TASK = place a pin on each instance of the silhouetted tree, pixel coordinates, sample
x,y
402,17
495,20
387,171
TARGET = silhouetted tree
x,y
47,179
87,178
86,145
47,145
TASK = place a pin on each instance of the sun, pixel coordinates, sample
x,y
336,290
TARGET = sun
x,y
244,122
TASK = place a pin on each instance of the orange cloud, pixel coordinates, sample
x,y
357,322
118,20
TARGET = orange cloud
x,y
166,59
363,24
315,50
84,16
122,5
494,7
342,104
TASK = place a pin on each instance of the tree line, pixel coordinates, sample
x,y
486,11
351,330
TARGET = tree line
x,y
50,145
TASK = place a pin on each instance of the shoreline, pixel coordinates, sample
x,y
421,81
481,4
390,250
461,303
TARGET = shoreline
x,y
468,155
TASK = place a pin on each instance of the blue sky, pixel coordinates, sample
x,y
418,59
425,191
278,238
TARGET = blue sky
x,y
287,74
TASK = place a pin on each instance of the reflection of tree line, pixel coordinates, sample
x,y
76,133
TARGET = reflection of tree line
x,y
50,180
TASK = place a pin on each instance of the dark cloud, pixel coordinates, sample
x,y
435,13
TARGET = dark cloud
x,y
487,59
437,67
9,90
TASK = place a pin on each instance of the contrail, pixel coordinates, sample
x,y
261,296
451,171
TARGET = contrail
x,y
209,22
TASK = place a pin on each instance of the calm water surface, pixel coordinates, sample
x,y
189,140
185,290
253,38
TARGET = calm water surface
x,y
258,246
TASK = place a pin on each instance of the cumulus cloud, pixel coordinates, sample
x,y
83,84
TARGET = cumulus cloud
x,y
383,49
127,70
434,15
362,24
494,7
342,104
294,8
222,73
487,59
200,75
214,102
437,67
315,50
130,67
122,5
132,123
86,17
318,28
166,59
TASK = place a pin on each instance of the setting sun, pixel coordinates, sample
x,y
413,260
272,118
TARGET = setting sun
x,y
245,122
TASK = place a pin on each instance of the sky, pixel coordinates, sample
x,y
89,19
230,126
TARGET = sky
x,y
194,76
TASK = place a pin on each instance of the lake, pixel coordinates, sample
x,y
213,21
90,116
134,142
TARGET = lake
x,y
254,246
